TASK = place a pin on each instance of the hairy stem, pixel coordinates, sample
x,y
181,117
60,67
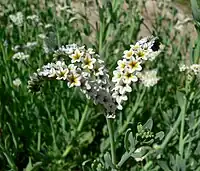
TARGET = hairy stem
x,y
112,141
82,118
181,139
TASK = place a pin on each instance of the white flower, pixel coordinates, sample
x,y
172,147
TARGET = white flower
x,y
128,54
98,69
195,68
20,56
52,73
48,26
183,68
117,76
135,47
16,48
129,77
134,65
149,78
30,45
17,82
60,64
141,54
121,64
67,49
119,99
42,36
34,18
62,73
17,19
123,87
76,56
74,80
72,68
90,51
88,62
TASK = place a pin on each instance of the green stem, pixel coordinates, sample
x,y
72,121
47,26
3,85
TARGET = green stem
x,y
130,117
171,132
67,150
181,139
112,141
82,118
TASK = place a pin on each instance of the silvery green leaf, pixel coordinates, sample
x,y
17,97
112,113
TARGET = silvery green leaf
x,y
160,135
132,141
197,150
164,165
181,98
180,163
29,166
108,161
148,125
50,42
140,153
126,140
195,10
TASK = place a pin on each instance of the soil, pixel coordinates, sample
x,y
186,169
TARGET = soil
x,y
183,17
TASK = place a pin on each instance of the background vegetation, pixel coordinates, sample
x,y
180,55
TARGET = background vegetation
x,y
46,131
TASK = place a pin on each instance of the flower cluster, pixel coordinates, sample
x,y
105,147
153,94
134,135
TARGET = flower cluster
x,y
194,68
20,56
17,19
33,18
129,67
83,68
149,78
85,71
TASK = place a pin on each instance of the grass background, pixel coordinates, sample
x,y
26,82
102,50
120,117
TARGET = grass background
x,y
43,132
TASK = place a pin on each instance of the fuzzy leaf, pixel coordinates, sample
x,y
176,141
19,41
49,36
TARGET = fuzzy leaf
x,y
108,161
148,125
126,140
160,135
181,99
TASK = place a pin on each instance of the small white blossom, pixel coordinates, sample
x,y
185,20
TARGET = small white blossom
x,y
122,87
129,77
128,54
117,76
74,80
88,62
62,73
183,68
42,36
17,82
20,56
33,18
122,64
149,78
17,19
30,45
76,56
48,26
141,54
195,68
134,65
16,48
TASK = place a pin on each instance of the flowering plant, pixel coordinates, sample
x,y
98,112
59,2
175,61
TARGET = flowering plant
x,y
88,72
